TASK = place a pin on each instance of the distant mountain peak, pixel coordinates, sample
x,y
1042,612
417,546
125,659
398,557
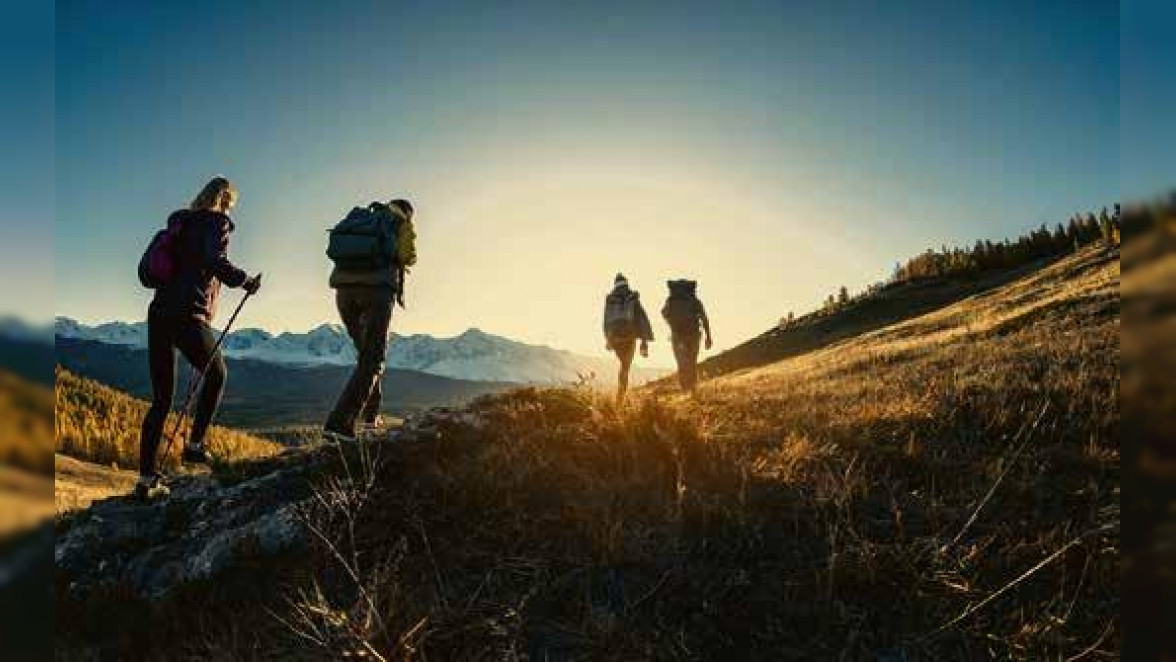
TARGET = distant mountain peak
x,y
327,328
474,355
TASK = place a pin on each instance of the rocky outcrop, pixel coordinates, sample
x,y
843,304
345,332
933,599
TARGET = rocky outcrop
x,y
209,526
203,529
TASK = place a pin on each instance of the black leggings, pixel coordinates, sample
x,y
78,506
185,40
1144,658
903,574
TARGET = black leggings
x,y
194,339
625,348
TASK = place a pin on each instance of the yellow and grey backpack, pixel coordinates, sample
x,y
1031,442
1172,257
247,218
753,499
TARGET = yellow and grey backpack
x,y
682,310
366,239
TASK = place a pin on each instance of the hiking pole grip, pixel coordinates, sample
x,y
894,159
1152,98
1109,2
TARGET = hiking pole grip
x,y
225,332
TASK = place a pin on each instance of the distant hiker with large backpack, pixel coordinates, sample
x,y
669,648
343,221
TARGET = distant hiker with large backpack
x,y
372,249
685,314
625,323
185,264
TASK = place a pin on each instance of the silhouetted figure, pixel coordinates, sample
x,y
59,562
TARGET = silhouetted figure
x,y
185,265
687,318
625,323
372,249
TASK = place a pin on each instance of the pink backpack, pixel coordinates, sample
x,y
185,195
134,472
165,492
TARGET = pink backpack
x,y
161,261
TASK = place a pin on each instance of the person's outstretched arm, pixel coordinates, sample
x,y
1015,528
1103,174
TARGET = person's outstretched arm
x,y
644,329
407,244
405,256
643,326
216,256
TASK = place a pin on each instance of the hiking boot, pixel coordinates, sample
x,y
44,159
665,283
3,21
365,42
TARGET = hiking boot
x,y
195,455
338,432
149,489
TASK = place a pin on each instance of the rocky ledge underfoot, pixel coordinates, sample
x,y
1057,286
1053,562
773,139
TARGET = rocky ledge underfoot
x,y
207,526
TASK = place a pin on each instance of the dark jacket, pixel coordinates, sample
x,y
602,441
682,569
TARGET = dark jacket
x,y
685,314
203,265
644,328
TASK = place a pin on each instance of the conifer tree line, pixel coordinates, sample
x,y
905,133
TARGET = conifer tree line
x,y
984,255
1107,225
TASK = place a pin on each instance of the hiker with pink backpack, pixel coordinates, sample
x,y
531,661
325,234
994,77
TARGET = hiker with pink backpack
x,y
625,324
185,264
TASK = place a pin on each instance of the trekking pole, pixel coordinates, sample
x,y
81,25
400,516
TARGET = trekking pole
x,y
196,381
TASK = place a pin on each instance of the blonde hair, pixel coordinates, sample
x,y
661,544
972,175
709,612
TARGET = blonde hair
x,y
210,196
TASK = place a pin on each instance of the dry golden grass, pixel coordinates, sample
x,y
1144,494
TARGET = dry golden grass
x,y
76,484
99,424
944,489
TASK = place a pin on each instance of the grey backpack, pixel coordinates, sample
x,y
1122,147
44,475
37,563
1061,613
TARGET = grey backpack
x,y
620,315
364,240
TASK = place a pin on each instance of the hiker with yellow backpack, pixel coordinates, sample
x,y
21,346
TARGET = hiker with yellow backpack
x,y
687,318
372,249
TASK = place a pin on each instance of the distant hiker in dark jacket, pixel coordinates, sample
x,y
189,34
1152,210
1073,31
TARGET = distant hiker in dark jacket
x,y
685,314
372,249
179,317
625,323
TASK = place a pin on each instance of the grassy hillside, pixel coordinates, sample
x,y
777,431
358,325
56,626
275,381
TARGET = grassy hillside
x,y
923,283
894,304
944,488
882,496
266,395
99,424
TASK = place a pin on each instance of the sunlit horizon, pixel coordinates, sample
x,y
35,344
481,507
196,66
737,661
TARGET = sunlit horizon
x,y
547,149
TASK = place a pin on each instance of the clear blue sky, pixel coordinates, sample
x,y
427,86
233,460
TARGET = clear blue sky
x,y
1148,97
772,150
26,160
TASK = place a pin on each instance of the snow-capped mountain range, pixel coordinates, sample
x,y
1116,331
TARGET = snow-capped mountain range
x,y
474,355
